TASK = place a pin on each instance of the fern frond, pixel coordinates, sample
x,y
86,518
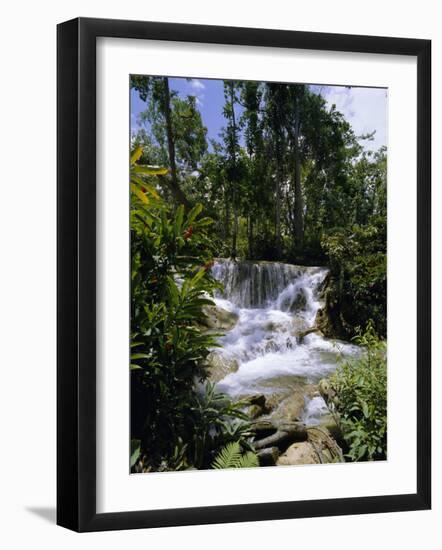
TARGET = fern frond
x,y
231,456
248,460
228,457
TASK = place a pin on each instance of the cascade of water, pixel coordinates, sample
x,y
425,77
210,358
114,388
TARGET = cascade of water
x,y
258,285
274,303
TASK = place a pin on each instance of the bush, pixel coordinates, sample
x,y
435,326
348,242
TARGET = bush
x,y
358,288
177,421
360,399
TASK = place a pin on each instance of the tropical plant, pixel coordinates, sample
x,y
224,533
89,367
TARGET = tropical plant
x,y
232,456
359,387
358,287
180,421
140,175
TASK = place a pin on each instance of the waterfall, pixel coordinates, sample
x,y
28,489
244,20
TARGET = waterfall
x,y
249,284
274,303
281,286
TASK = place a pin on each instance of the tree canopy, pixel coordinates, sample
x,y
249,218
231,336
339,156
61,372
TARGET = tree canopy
x,y
286,178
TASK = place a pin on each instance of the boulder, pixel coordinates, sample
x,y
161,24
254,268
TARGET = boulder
x,y
218,318
320,448
218,366
259,399
327,392
255,405
254,411
268,456
299,302
298,453
291,407
324,323
329,423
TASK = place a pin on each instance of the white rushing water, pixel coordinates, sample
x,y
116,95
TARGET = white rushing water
x,y
274,303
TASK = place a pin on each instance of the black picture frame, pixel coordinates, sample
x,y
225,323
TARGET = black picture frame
x,y
77,286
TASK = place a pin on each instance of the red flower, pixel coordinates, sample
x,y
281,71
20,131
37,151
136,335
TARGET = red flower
x,y
188,233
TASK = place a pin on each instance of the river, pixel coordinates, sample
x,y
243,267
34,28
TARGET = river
x,y
275,302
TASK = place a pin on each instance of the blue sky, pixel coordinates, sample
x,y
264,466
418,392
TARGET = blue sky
x,y
364,108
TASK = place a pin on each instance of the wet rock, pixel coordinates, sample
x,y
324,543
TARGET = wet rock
x,y
219,366
257,405
268,456
324,323
320,448
329,423
327,392
254,411
274,326
271,346
218,318
291,407
299,302
298,453
259,399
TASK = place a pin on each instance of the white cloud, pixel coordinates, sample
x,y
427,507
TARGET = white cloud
x,y
364,108
197,89
197,85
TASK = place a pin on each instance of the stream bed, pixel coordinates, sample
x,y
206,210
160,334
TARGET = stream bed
x,y
275,303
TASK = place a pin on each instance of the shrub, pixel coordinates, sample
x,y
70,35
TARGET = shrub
x,y
357,291
177,421
360,399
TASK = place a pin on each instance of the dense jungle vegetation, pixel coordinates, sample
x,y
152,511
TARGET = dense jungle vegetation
x,y
287,180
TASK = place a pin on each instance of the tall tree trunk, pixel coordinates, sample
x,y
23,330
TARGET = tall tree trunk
x,y
172,182
278,205
250,235
299,206
234,252
226,228
234,190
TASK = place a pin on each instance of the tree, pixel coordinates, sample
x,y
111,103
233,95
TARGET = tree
x,y
276,104
297,95
231,139
156,89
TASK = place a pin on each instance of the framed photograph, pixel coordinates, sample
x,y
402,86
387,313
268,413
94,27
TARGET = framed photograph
x,y
243,274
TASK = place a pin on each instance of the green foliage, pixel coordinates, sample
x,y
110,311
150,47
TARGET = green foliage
x,y
171,283
360,402
140,176
232,456
135,451
358,290
287,179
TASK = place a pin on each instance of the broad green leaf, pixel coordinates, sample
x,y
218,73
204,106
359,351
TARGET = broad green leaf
x,y
150,170
139,193
196,210
179,219
139,356
136,154
133,366
135,451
